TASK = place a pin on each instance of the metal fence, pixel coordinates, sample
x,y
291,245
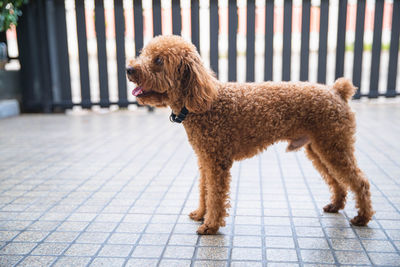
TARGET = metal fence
x,y
45,66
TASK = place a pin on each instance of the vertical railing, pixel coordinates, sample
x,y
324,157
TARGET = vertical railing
x,y
43,43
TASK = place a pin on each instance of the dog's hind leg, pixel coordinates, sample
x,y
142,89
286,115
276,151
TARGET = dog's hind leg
x,y
339,192
198,214
341,163
217,187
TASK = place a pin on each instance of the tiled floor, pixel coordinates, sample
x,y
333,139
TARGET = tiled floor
x,y
115,189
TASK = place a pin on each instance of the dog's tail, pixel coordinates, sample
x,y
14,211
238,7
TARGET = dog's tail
x,y
344,88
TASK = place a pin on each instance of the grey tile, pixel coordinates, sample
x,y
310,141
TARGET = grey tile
x,y
346,244
279,242
247,254
378,245
176,239
72,226
286,264
181,228
92,237
174,263
309,231
107,262
313,243
278,230
246,263
9,260
31,236
72,261
50,249
317,256
212,253
37,261
277,221
123,238
101,227
214,240
154,239
61,237
147,251
394,234
179,252
82,250
204,263
115,250
15,248
340,232
247,241
386,259
247,229
281,255
351,257
370,233
141,262
43,226
8,235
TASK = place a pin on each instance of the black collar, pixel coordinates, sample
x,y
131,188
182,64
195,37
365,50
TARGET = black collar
x,y
180,117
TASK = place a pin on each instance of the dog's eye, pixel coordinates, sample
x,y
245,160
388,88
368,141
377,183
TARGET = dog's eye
x,y
158,61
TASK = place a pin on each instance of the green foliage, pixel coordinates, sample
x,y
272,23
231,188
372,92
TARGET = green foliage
x,y
10,10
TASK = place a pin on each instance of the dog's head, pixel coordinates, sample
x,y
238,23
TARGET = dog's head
x,y
169,71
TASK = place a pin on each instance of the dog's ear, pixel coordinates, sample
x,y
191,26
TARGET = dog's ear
x,y
198,86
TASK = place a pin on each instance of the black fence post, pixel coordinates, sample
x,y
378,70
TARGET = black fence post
x,y
305,40
341,39
34,58
376,49
214,31
394,51
269,40
195,21
359,47
232,36
287,40
250,40
323,41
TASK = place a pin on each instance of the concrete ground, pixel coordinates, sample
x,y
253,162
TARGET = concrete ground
x,y
115,189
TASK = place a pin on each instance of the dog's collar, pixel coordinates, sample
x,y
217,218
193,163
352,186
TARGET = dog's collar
x,y
180,117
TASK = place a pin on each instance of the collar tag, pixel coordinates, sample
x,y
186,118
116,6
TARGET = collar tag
x,y
180,117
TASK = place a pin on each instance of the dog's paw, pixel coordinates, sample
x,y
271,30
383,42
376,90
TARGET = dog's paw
x,y
359,221
205,229
197,215
331,208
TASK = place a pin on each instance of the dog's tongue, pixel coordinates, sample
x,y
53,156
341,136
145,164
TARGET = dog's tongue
x,y
137,91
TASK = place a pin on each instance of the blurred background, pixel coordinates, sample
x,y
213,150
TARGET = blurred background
x,y
72,54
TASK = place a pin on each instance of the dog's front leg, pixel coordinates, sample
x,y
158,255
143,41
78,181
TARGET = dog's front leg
x,y
217,187
198,214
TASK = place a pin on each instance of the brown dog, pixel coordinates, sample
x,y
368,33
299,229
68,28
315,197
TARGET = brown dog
x,y
232,121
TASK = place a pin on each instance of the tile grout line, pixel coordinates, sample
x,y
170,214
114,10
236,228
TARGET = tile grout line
x,y
106,204
158,205
37,172
46,179
263,236
294,234
328,240
62,221
387,199
181,210
44,212
132,205
230,248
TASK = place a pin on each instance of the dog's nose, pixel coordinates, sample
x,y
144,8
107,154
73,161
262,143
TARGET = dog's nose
x,y
130,70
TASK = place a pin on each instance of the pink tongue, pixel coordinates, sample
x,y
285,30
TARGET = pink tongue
x,y
137,91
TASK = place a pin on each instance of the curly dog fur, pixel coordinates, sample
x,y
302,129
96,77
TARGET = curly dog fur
x,y
233,121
